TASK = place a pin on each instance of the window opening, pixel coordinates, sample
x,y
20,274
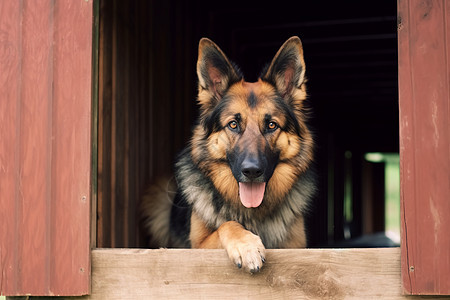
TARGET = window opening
x,y
392,191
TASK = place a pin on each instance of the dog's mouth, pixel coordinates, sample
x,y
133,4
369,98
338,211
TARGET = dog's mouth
x,y
251,193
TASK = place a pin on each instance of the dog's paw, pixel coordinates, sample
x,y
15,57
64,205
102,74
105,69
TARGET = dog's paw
x,y
248,252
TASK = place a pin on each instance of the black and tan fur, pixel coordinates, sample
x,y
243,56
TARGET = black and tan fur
x,y
248,132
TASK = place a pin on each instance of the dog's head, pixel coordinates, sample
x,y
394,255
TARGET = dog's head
x,y
252,140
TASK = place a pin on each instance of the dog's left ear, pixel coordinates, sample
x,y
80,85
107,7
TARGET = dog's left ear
x,y
287,69
215,72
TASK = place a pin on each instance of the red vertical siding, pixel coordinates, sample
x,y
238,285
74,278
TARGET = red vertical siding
x,y
10,206
45,149
425,145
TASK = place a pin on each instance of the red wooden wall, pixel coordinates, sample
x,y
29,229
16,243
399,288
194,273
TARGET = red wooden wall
x,y
424,53
45,146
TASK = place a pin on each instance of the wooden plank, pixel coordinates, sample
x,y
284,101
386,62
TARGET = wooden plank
x,y
208,274
104,127
35,145
424,145
95,123
138,79
10,83
28,186
120,125
71,148
45,118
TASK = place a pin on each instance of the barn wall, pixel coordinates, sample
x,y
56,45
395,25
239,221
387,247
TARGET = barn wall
x,y
45,147
424,53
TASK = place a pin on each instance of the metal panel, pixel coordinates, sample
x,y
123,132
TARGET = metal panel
x,y
424,145
45,121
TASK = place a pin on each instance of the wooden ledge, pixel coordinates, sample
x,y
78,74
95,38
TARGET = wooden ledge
x,y
208,274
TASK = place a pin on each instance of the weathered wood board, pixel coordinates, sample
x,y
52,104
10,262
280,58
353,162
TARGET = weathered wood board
x,y
424,51
45,147
208,274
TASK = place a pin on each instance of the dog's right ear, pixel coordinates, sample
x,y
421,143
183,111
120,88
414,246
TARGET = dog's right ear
x,y
215,72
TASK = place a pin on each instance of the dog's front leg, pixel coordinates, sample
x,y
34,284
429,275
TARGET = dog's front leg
x,y
244,248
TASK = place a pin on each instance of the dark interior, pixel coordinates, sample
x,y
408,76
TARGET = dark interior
x,y
147,57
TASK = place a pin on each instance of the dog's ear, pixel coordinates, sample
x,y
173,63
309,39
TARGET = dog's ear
x,y
287,69
215,72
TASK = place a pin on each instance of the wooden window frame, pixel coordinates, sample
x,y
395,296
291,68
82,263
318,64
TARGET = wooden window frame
x,y
424,52
302,273
416,268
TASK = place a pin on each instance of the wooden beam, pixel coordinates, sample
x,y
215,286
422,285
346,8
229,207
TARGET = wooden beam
x,y
45,148
208,274
424,89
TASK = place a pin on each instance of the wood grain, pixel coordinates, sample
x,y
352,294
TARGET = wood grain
x,y
208,274
424,53
45,152
71,148
146,107
10,84
35,145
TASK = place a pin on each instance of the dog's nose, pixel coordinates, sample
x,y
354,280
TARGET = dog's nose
x,y
251,168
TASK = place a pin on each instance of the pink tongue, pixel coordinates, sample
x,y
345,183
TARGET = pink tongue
x,y
251,193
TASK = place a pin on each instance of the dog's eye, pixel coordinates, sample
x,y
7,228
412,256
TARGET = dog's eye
x,y
271,126
233,125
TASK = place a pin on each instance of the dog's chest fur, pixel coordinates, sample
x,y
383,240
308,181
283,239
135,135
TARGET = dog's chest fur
x,y
272,225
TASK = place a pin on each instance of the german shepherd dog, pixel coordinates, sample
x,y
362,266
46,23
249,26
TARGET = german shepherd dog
x,y
245,180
